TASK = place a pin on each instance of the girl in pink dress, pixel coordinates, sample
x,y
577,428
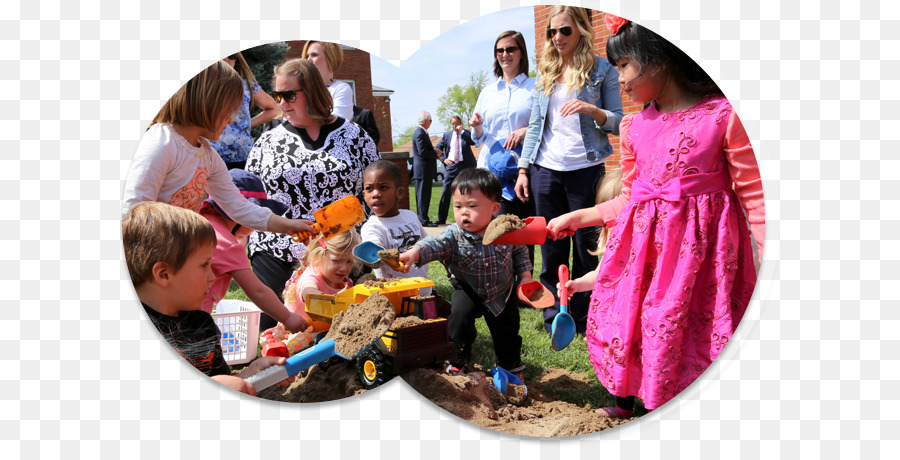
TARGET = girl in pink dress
x,y
678,270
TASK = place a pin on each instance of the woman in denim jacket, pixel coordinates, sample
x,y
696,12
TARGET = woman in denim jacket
x,y
562,155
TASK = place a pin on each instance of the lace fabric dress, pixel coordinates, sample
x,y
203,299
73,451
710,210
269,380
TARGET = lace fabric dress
x,y
678,271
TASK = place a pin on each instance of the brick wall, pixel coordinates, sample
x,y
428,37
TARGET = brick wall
x,y
601,34
358,68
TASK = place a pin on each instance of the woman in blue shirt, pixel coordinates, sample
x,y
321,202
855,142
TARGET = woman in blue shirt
x,y
577,103
501,117
234,144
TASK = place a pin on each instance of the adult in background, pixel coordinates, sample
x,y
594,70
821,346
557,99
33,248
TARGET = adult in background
x,y
234,144
328,58
366,120
309,162
501,116
577,103
456,154
424,167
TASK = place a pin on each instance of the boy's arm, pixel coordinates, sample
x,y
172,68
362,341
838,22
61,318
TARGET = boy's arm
x,y
437,247
521,262
263,363
235,383
264,298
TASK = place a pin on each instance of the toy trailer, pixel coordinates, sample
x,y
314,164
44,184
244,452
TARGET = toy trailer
x,y
403,349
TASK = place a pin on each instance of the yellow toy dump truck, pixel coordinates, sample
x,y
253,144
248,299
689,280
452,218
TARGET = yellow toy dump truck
x,y
400,348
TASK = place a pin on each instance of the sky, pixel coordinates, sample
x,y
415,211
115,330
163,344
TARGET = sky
x,y
445,61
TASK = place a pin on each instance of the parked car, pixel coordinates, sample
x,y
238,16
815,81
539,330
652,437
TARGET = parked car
x,y
439,177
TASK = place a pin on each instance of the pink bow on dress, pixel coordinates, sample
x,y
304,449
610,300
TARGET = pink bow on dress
x,y
642,190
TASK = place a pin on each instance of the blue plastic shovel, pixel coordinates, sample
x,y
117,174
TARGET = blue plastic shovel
x,y
367,253
293,365
562,331
502,378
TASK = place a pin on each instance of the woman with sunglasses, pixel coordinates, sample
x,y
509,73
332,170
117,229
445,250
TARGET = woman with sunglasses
x,y
234,144
577,103
307,163
501,116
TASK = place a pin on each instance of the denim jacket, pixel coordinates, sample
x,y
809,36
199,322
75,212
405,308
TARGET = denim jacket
x,y
603,91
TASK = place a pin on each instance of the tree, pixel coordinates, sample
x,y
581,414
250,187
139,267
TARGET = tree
x,y
460,100
262,61
404,136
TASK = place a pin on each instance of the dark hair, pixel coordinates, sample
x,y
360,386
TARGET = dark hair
x,y
656,55
520,42
478,179
388,167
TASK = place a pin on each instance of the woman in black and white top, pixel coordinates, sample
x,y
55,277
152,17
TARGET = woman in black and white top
x,y
307,163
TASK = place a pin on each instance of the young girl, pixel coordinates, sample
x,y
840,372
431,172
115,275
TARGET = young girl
x,y
678,270
230,256
175,164
324,269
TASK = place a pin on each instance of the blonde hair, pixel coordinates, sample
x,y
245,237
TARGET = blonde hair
x,y
318,100
204,99
610,187
334,54
318,248
158,232
551,64
243,69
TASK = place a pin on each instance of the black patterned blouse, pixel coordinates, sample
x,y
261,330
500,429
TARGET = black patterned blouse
x,y
307,175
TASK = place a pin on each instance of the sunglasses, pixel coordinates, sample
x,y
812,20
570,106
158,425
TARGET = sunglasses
x,y
508,49
289,95
566,30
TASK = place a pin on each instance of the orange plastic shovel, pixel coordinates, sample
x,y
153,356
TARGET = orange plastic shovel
x,y
336,218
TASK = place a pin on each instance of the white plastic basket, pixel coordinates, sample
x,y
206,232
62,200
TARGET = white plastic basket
x,y
238,322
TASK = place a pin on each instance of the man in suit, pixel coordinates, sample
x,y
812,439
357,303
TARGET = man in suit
x,y
424,167
456,154
366,120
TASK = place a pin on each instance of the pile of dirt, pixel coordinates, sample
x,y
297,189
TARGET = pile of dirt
x,y
474,398
361,324
391,257
503,224
523,410
538,295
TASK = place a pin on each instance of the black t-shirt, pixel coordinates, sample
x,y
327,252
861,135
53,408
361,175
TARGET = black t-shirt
x,y
195,336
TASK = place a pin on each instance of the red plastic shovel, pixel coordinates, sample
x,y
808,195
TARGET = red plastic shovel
x,y
535,294
535,232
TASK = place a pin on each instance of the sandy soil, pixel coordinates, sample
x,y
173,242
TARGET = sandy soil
x,y
525,410
471,396
504,223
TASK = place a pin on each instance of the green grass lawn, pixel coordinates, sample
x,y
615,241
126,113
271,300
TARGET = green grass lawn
x,y
537,354
436,191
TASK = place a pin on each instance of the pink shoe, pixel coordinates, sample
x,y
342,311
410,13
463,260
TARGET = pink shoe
x,y
614,412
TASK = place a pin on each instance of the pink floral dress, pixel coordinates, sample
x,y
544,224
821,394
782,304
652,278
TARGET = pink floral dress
x,y
678,271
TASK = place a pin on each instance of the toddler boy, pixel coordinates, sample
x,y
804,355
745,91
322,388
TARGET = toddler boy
x,y
484,276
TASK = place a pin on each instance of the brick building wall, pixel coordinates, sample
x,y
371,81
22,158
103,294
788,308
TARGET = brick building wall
x,y
358,68
601,34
